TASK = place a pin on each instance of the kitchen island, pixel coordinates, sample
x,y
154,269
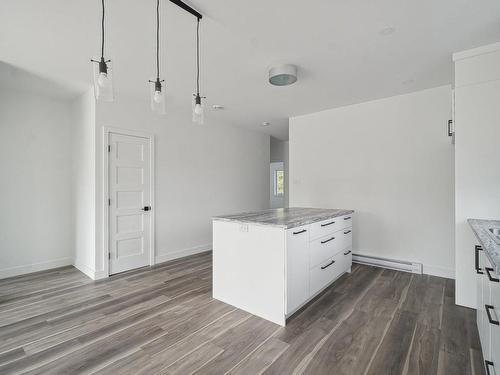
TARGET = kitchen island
x,y
272,262
487,267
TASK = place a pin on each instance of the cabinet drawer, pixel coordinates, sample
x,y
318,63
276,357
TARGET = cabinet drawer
x,y
345,238
325,227
494,328
324,248
345,221
345,259
324,274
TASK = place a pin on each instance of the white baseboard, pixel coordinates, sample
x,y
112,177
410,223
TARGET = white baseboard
x,y
165,257
102,274
405,266
85,269
35,267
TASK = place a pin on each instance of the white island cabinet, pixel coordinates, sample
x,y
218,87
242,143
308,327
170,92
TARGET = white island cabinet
x,y
271,263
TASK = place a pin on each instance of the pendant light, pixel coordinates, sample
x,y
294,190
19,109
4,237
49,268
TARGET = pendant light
x,y
157,95
103,78
198,116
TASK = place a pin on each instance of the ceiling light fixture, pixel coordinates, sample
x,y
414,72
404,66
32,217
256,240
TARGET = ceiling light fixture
x,y
265,123
283,75
157,96
103,79
387,31
218,107
198,116
197,103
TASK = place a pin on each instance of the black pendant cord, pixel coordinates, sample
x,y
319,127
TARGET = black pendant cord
x,y
102,31
157,82
103,68
158,39
198,56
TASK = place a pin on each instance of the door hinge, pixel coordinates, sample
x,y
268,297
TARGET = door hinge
x,y
109,201
109,148
109,256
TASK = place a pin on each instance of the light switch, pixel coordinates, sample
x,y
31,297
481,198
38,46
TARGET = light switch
x,y
244,228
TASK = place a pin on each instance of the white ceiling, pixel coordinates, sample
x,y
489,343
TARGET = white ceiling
x,y
336,44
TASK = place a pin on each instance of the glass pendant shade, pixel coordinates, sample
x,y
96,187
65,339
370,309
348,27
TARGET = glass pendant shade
x,y
198,110
158,98
103,81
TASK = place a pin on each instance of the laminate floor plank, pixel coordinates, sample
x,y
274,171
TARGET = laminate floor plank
x,y
261,359
342,352
424,351
237,343
391,356
162,319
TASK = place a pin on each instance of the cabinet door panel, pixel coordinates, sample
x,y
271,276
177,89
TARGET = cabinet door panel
x,y
345,259
325,273
324,248
485,332
297,267
495,329
345,236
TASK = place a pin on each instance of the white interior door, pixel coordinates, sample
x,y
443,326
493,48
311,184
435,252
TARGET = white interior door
x,y
129,205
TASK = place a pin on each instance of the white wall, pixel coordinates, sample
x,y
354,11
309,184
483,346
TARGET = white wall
x,y
83,181
201,171
35,195
477,171
392,162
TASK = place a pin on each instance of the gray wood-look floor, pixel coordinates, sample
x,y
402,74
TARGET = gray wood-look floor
x,y
162,320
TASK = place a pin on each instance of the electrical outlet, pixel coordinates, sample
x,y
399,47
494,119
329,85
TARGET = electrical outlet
x,y
244,228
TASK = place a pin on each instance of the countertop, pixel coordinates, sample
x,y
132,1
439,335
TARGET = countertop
x,y
490,247
285,217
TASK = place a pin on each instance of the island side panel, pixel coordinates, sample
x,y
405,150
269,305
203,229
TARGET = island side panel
x,y
249,268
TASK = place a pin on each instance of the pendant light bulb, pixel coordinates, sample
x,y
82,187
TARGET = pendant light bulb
x,y
198,116
102,80
103,77
158,97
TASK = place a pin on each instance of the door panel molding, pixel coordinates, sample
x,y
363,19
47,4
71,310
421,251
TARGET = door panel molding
x,y
106,131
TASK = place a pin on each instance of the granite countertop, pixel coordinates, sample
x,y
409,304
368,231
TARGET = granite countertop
x,y
285,217
491,248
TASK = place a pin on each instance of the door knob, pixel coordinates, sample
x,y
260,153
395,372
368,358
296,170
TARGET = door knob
x,y
146,208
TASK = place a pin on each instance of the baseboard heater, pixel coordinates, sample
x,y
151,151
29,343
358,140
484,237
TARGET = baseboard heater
x,y
392,264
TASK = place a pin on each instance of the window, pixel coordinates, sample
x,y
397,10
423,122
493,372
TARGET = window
x,y
279,182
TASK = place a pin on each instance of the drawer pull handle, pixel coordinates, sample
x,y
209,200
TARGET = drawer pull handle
x,y
488,308
478,269
327,224
488,364
328,265
494,279
300,231
347,252
347,218
328,240
347,232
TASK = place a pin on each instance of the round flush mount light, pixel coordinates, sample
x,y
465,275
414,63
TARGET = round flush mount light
x,y
283,75
387,31
218,107
266,123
